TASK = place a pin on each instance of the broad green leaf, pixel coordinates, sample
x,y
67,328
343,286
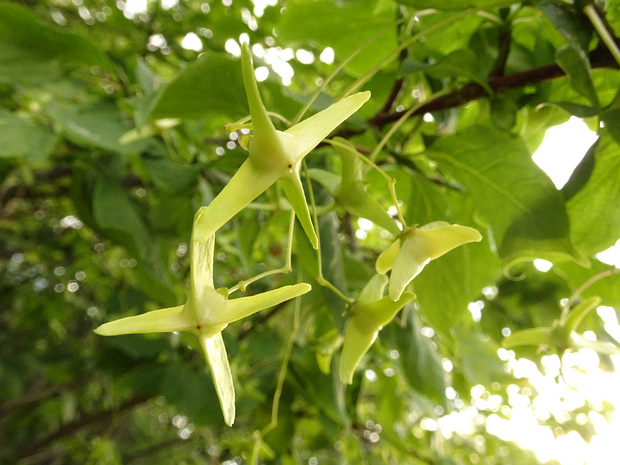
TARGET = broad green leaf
x,y
447,285
344,26
460,63
581,174
100,125
594,218
575,64
477,356
570,21
611,118
212,85
192,393
112,209
23,138
418,357
455,4
170,176
608,288
517,200
32,52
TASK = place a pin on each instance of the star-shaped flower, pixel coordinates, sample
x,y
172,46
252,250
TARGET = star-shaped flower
x,y
205,314
417,246
274,155
368,315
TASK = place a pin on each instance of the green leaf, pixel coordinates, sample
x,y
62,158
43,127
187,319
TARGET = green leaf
x,y
32,52
170,176
446,286
459,63
212,85
344,26
594,218
192,394
419,358
611,118
570,22
517,200
22,137
607,288
577,67
455,4
100,125
112,209
477,356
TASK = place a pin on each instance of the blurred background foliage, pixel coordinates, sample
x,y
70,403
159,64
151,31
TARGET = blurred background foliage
x,y
111,137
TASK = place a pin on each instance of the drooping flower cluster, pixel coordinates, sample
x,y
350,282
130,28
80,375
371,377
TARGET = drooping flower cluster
x,y
273,155
276,156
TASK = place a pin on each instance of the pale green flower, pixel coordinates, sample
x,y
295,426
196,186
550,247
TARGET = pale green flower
x,y
274,155
562,335
368,315
205,315
417,246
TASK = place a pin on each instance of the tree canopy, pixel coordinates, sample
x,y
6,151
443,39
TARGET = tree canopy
x,y
333,203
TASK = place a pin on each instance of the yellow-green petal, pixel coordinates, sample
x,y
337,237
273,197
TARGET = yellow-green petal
x,y
295,194
261,122
311,131
386,259
215,353
351,194
157,321
362,329
421,245
441,237
246,185
245,306
530,337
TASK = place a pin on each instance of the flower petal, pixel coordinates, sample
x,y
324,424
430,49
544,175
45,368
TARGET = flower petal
x,y
352,195
295,194
261,122
201,265
357,341
529,337
245,306
362,329
313,130
386,259
413,256
157,321
444,238
215,353
246,184
422,245
374,289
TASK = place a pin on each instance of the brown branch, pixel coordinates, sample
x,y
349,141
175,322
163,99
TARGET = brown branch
x,y
599,58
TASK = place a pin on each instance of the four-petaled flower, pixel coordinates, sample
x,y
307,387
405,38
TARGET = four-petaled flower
x,y
417,246
205,314
274,155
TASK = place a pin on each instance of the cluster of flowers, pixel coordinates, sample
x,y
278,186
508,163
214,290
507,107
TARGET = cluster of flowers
x,y
276,155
